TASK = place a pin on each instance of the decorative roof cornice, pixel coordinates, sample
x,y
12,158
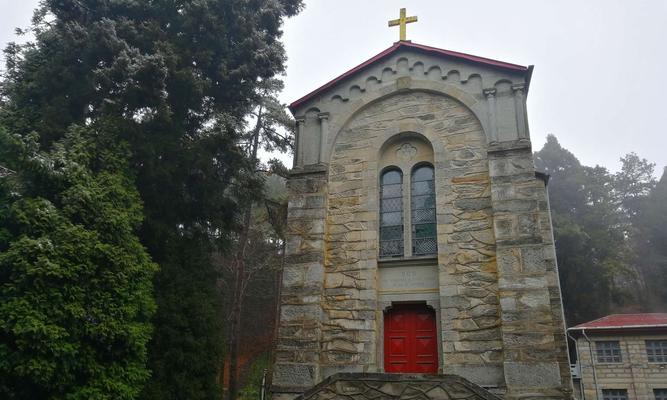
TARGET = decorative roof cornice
x,y
419,47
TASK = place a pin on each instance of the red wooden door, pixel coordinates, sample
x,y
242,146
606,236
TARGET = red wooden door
x,y
410,340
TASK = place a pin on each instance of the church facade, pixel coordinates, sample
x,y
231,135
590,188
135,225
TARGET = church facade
x,y
419,233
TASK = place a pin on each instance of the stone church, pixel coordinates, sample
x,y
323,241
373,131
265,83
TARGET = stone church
x,y
420,246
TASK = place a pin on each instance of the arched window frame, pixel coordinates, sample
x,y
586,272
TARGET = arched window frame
x,y
404,152
423,223
391,203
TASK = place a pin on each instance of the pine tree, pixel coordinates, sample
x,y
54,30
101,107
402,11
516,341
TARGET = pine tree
x,y
592,251
651,241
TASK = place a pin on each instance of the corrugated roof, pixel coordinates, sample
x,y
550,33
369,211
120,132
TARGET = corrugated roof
x,y
420,47
625,321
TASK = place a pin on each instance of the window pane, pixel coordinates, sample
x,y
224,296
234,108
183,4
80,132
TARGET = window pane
x,y
426,215
391,218
660,394
608,351
424,240
391,177
391,248
424,187
614,394
656,350
391,214
392,204
424,246
424,231
425,201
391,191
424,173
391,233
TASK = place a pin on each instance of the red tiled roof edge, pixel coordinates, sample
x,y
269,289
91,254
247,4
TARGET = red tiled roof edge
x,y
625,321
408,44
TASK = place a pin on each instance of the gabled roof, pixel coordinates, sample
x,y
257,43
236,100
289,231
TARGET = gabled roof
x,y
625,321
419,47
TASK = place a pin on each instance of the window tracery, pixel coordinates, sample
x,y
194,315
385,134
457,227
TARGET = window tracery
x,y
407,225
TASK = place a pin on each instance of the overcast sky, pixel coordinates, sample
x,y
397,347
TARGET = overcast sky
x,y
600,79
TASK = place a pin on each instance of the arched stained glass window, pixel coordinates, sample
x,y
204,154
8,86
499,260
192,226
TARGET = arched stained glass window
x,y
391,213
424,237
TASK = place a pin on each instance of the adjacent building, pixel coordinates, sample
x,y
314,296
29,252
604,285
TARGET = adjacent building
x,y
621,357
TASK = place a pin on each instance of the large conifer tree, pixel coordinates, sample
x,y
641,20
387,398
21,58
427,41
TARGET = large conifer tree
x,y
177,79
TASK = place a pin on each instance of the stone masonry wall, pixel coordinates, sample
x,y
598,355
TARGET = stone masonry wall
x,y
297,352
470,319
500,313
534,353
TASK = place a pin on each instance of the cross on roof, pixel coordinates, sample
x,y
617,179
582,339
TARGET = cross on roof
x,y
402,21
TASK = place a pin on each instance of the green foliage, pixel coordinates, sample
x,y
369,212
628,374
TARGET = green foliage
x,y
253,387
75,283
650,237
177,81
601,234
633,183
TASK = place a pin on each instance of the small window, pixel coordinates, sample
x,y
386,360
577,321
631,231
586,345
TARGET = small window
x,y
424,236
656,351
614,394
608,351
660,394
391,214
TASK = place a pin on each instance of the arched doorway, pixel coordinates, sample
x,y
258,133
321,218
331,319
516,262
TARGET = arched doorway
x,y
410,339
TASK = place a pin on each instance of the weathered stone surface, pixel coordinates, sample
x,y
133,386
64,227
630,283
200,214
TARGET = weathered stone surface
x,y
532,374
493,284
294,375
485,375
365,386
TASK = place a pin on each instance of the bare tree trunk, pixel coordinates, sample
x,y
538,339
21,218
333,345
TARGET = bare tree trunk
x,y
239,279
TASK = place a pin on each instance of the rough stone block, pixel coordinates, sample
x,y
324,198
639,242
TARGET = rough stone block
x,y
485,375
504,191
509,261
510,166
504,227
533,260
294,375
300,312
532,374
535,299
515,206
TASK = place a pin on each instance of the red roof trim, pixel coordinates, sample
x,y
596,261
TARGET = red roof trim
x,y
625,321
407,44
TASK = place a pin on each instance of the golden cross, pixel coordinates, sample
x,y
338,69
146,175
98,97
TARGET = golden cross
x,y
402,21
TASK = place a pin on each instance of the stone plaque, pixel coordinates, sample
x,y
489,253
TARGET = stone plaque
x,y
408,278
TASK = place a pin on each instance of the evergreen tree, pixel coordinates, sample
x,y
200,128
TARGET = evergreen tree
x,y
75,283
592,251
651,242
177,78
632,185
